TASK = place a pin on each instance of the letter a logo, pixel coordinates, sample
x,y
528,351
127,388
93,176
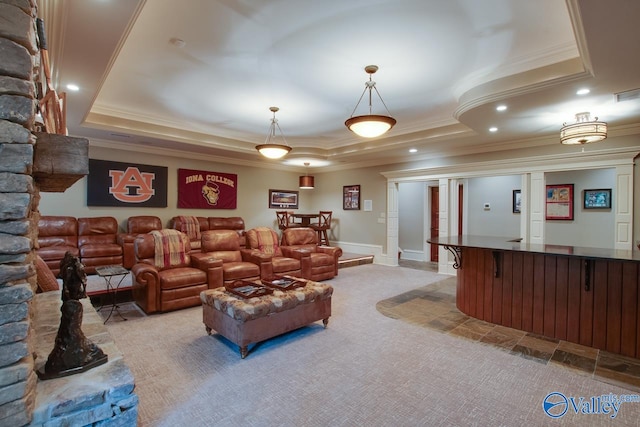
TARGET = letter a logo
x,y
131,186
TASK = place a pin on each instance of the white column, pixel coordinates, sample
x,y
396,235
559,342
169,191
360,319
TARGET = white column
x,y
537,198
623,207
444,265
392,223
525,214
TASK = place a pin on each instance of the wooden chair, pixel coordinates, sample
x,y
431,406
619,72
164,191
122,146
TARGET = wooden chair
x,y
285,220
323,226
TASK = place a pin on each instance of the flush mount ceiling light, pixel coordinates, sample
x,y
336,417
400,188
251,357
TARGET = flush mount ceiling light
x,y
583,131
306,181
271,149
371,125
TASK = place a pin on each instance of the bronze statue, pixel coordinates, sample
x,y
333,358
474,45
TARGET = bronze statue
x,y
73,352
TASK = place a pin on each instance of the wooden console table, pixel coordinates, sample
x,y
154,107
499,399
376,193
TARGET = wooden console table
x,y
588,296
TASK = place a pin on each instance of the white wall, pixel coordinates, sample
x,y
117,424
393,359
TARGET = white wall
x,y
499,219
411,216
590,227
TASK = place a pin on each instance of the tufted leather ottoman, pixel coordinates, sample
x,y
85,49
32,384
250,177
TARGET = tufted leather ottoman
x,y
245,321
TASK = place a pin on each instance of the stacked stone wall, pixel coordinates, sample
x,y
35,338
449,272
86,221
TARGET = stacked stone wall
x,y
19,60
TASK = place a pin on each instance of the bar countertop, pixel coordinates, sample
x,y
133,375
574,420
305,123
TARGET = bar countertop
x,y
515,244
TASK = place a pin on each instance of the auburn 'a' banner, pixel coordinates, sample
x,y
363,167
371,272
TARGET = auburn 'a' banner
x,y
126,184
207,190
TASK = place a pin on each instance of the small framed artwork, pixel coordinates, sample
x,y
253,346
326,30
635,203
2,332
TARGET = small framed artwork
x,y
283,199
559,202
351,197
597,199
516,203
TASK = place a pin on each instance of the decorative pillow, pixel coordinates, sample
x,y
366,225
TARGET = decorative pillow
x,y
46,280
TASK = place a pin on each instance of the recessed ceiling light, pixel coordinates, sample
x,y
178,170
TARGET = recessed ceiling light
x,y
501,108
583,91
493,129
413,150
73,87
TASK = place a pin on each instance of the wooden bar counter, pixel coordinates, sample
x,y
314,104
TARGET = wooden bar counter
x,y
588,296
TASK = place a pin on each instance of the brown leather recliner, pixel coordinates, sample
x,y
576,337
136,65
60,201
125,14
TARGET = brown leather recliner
x,y
229,223
237,263
265,240
57,235
165,288
208,223
180,223
322,262
136,225
98,242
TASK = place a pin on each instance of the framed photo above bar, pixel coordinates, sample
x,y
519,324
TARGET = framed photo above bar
x,y
597,199
283,199
351,197
516,203
559,202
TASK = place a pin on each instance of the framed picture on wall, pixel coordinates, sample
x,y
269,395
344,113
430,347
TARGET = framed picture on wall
x,y
351,197
597,199
559,202
516,203
283,199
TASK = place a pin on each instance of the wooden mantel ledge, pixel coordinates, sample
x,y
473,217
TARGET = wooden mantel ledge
x,y
59,161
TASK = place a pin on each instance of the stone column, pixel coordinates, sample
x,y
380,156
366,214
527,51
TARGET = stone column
x,y
18,207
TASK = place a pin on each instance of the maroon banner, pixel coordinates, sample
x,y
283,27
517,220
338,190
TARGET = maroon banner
x,y
207,190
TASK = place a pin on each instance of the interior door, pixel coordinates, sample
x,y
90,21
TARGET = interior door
x,y
435,228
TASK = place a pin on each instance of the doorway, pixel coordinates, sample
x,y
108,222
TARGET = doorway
x,y
434,194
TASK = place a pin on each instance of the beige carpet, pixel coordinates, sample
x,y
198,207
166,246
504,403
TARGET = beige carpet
x,y
365,369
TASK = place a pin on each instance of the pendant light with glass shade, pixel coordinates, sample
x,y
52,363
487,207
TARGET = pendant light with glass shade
x,y
371,125
271,149
306,182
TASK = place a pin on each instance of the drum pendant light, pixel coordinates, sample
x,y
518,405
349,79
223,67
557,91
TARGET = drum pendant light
x,y
307,181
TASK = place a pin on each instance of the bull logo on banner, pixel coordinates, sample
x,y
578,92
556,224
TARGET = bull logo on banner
x,y
206,190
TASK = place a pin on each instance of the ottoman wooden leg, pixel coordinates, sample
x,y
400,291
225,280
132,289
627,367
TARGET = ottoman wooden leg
x,y
325,322
244,350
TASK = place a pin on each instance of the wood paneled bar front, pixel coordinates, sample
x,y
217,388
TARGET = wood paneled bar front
x,y
588,296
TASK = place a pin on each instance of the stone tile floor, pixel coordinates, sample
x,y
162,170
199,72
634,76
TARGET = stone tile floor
x,y
434,307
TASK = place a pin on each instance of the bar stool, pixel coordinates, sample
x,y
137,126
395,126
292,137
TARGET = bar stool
x,y
324,224
285,221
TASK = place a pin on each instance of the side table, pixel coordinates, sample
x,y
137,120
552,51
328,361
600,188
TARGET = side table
x,y
108,273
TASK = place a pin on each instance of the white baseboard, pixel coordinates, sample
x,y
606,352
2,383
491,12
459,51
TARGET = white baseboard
x,y
361,249
412,255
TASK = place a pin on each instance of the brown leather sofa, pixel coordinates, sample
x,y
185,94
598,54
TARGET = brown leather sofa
x,y
210,223
237,263
136,225
57,235
265,240
160,289
98,242
322,262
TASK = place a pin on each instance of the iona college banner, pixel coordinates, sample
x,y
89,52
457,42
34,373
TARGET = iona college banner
x,y
126,184
207,190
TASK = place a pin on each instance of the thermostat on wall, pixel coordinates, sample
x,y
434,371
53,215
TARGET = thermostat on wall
x,y
487,206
